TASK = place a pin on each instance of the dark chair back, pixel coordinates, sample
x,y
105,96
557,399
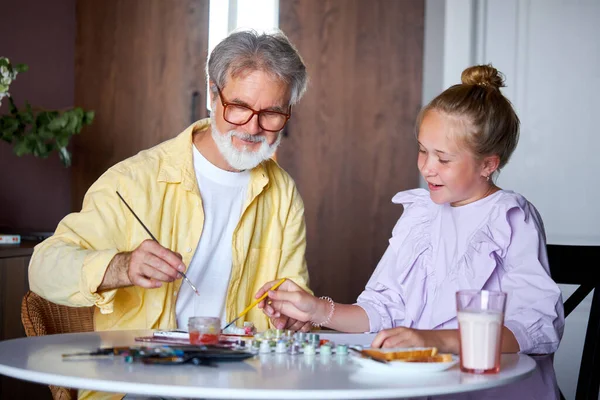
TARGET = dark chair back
x,y
577,265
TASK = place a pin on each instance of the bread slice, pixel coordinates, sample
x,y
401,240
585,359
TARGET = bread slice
x,y
440,357
398,354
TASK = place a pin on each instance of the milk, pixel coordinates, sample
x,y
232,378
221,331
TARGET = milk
x,y
480,340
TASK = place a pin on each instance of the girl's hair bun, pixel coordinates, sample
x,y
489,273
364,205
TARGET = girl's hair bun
x,y
483,75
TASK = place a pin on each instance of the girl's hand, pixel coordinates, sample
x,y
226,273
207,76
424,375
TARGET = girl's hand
x,y
283,322
287,285
290,301
446,340
404,337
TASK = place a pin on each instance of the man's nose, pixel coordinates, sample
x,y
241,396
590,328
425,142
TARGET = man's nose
x,y
252,126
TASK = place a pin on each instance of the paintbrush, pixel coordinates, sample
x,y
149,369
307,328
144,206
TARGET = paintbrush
x,y
153,238
261,298
103,351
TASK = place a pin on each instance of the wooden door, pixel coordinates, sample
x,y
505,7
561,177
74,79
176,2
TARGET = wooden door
x,y
140,66
351,144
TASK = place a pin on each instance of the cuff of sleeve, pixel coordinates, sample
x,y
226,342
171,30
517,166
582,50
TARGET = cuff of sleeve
x,y
375,323
92,274
525,343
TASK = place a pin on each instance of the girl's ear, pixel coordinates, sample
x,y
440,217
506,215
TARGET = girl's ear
x,y
490,165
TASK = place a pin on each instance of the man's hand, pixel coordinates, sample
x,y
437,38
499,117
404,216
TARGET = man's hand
x,y
147,266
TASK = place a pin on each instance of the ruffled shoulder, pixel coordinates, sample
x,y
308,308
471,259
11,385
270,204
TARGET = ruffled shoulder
x,y
497,230
487,249
489,244
418,209
412,197
411,237
411,246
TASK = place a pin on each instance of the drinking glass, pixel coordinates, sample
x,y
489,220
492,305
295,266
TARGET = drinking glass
x,y
480,315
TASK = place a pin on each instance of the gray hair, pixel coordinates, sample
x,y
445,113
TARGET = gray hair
x,y
246,50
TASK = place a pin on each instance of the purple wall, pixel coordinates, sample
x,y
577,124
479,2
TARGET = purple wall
x,y
36,193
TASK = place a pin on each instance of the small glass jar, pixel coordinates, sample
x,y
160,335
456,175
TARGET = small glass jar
x,y
204,330
249,329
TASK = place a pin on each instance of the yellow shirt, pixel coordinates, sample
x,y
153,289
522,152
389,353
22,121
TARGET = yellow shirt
x,y
160,185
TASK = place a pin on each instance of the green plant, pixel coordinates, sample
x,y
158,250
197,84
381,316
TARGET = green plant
x,y
35,131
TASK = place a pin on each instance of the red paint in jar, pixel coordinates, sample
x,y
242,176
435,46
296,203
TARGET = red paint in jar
x,y
203,338
204,330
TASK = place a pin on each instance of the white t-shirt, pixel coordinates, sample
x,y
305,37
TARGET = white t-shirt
x,y
223,194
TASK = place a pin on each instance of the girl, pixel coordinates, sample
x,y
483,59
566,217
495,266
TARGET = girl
x,y
464,233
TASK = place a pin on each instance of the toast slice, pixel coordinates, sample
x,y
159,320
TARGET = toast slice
x,y
440,357
402,354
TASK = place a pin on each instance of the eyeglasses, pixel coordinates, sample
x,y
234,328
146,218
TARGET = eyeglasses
x,y
237,114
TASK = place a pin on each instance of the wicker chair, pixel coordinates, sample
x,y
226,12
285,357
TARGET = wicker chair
x,y
41,317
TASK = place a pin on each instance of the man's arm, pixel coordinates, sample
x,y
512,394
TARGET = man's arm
x,y
116,274
89,257
147,266
68,267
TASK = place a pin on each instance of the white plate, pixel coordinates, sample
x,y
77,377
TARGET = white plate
x,y
403,366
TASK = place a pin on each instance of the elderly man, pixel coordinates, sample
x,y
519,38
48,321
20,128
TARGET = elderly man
x,y
223,212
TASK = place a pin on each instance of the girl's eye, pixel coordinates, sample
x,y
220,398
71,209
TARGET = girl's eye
x,y
444,161
421,151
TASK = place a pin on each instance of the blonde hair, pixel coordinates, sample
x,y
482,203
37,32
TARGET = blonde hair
x,y
492,126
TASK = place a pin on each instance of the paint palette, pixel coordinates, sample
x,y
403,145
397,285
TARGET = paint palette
x,y
279,341
289,342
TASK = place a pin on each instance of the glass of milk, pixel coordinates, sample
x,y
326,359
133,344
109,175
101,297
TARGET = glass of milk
x,y
480,315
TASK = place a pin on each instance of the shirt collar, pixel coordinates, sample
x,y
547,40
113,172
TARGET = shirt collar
x,y
178,165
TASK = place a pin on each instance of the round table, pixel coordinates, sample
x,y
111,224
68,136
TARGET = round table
x,y
271,376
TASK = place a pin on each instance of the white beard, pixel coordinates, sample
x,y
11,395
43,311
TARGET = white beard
x,y
242,159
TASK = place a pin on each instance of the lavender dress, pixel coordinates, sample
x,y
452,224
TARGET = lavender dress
x,y
496,243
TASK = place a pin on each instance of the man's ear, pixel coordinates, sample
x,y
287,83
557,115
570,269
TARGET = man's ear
x,y
212,91
490,165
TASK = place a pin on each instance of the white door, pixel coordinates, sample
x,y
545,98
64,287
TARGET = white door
x,y
549,51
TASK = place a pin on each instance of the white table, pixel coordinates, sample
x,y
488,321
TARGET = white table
x,y
273,376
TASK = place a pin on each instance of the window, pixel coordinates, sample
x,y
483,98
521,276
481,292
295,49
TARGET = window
x,y
227,15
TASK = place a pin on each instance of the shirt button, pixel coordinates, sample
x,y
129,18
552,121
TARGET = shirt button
x,y
189,250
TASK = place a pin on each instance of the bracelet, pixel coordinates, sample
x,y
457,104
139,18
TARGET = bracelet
x,y
328,319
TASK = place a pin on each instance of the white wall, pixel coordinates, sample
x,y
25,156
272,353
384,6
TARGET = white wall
x,y
549,52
